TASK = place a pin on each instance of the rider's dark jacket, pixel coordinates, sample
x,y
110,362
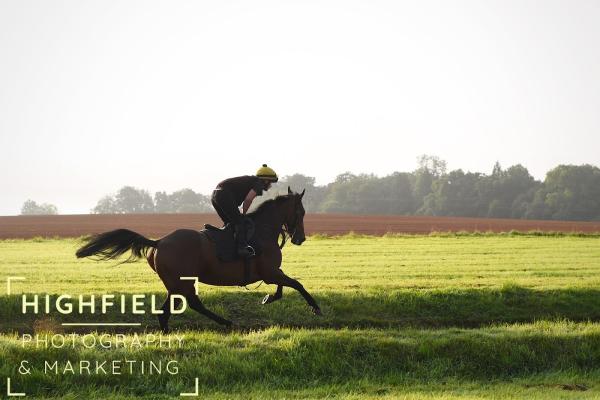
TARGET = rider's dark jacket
x,y
230,194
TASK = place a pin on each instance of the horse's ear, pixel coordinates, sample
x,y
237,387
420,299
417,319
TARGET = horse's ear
x,y
302,194
289,190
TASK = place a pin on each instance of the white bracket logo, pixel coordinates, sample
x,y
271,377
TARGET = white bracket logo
x,y
191,278
196,393
9,393
12,278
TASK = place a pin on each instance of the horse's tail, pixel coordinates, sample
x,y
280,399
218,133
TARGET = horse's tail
x,y
109,245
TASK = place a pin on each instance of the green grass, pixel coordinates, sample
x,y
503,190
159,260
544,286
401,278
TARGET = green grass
x,y
343,264
415,317
295,359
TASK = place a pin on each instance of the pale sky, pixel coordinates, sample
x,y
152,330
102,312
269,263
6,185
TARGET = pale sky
x,y
174,94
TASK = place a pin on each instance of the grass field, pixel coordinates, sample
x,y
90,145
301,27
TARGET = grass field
x,y
415,317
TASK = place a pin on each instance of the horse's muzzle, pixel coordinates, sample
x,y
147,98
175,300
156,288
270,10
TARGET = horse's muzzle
x,y
298,241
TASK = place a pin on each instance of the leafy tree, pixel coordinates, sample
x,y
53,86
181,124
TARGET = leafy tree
x,y
106,205
569,192
397,194
298,182
499,191
454,194
188,201
432,164
162,203
517,185
368,194
430,168
130,200
522,203
313,196
30,207
343,195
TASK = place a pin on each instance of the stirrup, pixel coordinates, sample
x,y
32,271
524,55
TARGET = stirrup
x,y
246,251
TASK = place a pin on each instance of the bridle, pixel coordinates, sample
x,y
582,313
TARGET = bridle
x,y
285,228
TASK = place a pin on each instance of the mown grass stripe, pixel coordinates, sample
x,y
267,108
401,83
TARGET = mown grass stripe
x,y
288,359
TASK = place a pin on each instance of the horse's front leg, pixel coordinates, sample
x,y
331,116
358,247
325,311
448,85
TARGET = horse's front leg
x,y
271,298
281,279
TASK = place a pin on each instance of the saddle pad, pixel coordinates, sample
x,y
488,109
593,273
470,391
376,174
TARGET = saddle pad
x,y
224,242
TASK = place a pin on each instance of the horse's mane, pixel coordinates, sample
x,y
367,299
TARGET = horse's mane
x,y
267,204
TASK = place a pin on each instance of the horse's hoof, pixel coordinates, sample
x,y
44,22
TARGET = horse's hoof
x,y
317,311
267,299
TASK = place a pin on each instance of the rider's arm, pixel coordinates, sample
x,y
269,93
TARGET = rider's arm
x,y
248,200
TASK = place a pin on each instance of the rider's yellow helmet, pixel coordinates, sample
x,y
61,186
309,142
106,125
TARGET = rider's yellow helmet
x,y
267,173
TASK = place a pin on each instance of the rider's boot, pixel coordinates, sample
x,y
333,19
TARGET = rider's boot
x,y
243,248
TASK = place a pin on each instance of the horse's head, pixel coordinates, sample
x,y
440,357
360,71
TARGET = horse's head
x,y
294,217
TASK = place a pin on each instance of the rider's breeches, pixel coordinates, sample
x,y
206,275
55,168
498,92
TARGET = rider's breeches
x,y
225,206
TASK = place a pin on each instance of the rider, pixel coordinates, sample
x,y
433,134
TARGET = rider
x,y
233,192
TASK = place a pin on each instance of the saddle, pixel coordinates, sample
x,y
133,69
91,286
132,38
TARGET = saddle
x,y
224,240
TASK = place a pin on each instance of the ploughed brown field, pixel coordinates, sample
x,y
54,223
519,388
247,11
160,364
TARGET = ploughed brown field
x,y
157,225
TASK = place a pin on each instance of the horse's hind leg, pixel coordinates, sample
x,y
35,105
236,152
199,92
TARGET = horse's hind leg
x,y
163,319
278,295
196,305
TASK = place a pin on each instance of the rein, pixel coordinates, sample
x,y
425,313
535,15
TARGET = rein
x,y
284,235
284,231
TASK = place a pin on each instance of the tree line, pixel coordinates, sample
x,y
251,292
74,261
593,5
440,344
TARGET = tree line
x,y
31,207
130,200
568,192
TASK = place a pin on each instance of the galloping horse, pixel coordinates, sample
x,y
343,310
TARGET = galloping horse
x,y
190,253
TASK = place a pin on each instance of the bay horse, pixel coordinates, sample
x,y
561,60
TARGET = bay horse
x,y
190,253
